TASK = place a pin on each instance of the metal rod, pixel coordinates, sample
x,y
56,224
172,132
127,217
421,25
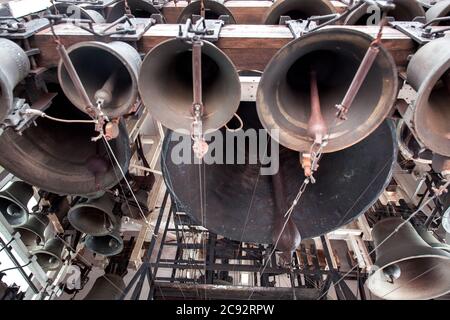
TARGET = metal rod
x,y
197,73
359,78
75,79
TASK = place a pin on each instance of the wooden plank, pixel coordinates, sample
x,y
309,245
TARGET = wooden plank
x,y
244,11
250,47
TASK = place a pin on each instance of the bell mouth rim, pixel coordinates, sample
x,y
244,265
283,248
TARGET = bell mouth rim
x,y
187,10
421,105
371,280
132,73
186,125
299,142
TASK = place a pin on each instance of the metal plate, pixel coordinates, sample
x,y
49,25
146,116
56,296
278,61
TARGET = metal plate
x,y
31,28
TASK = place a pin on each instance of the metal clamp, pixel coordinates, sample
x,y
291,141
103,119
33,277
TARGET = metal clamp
x,y
420,31
17,30
205,29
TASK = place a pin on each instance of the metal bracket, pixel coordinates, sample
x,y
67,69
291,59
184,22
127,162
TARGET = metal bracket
x,y
299,27
136,29
14,30
18,119
418,30
205,29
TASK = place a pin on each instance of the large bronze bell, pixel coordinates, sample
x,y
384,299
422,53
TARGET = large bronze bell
x,y
14,201
165,85
50,256
407,268
138,8
107,287
95,217
239,202
32,233
213,10
429,74
405,10
14,67
297,9
77,12
283,97
109,73
60,157
107,245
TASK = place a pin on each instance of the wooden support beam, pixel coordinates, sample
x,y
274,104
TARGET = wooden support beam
x,y
244,11
250,47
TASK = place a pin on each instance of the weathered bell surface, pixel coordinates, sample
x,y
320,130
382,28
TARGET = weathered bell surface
x,y
50,256
32,233
430,77
283,98
107,287
60,157
213,10
438,10
14,201
239,201
73,11
109,73
405,10
165,85
107,245
138,8
94,217
421,272
298,9
14,67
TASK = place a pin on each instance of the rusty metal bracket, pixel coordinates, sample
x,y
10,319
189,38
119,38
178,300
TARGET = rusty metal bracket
x,y
205,29
418,30
17,30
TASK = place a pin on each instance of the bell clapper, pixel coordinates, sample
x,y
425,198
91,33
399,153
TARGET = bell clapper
x,y
317,130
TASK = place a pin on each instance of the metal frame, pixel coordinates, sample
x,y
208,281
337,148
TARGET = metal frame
x,y
318,279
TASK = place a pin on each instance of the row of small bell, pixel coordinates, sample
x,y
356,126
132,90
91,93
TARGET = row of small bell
x,y
97,219
33,229
409,265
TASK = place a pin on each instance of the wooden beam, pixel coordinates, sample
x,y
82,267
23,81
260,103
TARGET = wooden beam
x,y
250,47
244,11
